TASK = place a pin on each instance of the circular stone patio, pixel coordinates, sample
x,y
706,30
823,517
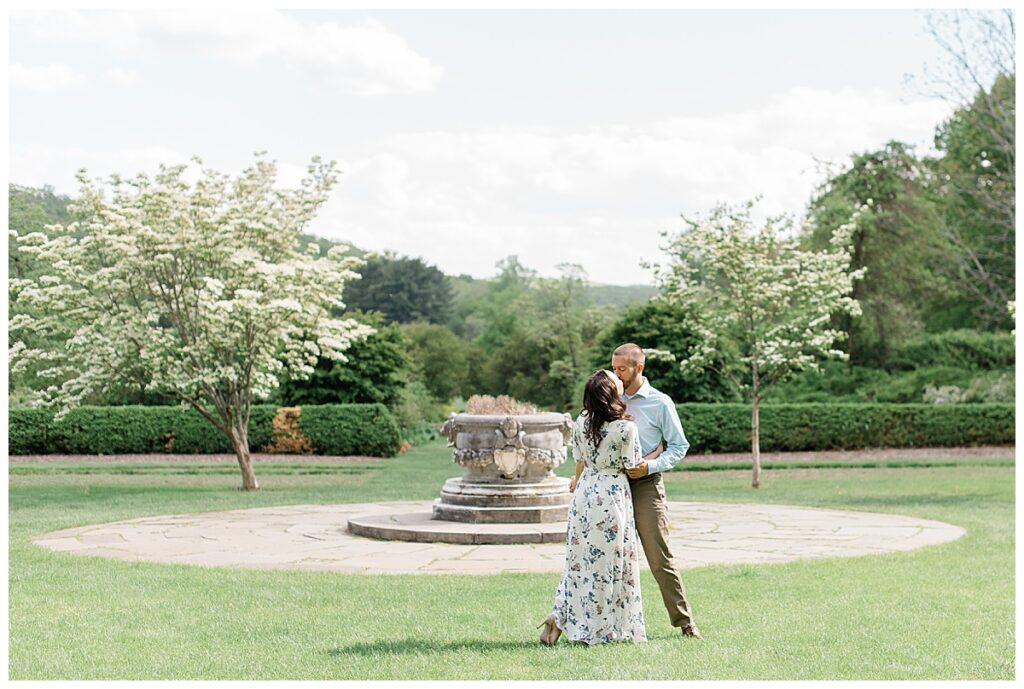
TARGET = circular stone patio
x,y
315,537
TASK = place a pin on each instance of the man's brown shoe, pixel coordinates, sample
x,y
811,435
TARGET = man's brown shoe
x,y
691,630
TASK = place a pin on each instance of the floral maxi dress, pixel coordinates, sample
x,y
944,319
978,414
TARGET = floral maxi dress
x,y
598,599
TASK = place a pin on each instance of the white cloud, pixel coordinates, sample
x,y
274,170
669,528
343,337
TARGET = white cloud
x,y
123,77
44,78
463,200
829,123
596,195
366,59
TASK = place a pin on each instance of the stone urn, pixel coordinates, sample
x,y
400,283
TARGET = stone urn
x,y
508,463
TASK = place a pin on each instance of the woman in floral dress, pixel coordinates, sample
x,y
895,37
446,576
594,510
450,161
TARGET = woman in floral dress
x,y
598,599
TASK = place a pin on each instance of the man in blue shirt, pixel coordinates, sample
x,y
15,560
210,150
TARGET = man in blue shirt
x,y
657,421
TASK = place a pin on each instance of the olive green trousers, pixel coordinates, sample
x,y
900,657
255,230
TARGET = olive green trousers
x,y
651,515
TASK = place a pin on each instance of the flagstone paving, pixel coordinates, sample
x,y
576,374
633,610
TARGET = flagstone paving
x,y
315,537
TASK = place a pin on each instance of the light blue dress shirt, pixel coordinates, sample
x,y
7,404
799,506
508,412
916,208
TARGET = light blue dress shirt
x,y
656,418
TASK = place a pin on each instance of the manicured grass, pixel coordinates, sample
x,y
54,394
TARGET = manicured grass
x,y
944,612
852,464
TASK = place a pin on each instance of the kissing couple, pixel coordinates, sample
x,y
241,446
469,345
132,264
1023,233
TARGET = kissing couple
x,y
627,435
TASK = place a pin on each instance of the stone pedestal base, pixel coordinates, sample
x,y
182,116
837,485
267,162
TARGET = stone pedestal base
x,y
421,528
535,502
478,513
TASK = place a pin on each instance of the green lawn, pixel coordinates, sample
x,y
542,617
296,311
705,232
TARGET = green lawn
x,y
944,612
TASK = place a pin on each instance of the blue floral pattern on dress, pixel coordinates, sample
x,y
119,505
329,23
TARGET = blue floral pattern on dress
x,y
598,599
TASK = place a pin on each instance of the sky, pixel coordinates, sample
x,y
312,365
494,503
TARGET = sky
x,y
466,136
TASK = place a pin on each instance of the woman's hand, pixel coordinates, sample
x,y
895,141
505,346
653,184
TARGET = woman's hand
x,y
572,485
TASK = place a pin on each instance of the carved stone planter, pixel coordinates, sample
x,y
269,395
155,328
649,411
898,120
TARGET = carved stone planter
x,y
507,493
508,463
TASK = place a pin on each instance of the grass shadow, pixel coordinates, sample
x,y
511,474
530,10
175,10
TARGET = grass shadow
x,y
411,646
421,647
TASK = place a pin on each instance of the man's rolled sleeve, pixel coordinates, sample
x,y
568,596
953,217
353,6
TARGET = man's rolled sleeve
x,y
676,444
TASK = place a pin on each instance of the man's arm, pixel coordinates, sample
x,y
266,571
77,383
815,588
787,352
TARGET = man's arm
x,y
676,444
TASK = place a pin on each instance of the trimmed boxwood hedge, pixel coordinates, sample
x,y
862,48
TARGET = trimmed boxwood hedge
x,y
370,429
351,429
343,429
792,427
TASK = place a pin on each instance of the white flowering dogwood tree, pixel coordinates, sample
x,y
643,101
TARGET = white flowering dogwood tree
x,y
756,293
193,290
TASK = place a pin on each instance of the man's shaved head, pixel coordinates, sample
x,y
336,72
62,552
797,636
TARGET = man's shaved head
x,y
631,351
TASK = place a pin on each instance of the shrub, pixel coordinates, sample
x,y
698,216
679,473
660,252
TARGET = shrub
x,y
992,386
970,349
840,383
351,429
419,415
793,427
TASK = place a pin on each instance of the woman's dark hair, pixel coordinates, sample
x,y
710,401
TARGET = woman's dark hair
x,y
602,403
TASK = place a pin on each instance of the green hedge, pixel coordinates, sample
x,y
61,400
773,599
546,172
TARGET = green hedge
x,y
792,427
350,429
363,429
370,429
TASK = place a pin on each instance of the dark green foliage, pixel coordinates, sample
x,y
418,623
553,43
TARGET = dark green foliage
x,y
795,427
898,240
439,359
350,429
376,371
658,325
836,381
967,349
520,368
530,335
404,289
978,190
27,431
840,382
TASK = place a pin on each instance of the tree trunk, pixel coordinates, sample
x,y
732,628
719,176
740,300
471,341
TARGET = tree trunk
x,y
756,445
240,441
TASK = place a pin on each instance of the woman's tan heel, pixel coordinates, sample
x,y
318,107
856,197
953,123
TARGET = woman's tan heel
x,y
549,637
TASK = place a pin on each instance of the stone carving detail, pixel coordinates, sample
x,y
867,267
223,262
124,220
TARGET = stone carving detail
x,y
546,458
450,429
566,429
509,447
473,458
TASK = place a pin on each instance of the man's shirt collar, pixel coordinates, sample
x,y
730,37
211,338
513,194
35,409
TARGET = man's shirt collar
x,y
644,390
